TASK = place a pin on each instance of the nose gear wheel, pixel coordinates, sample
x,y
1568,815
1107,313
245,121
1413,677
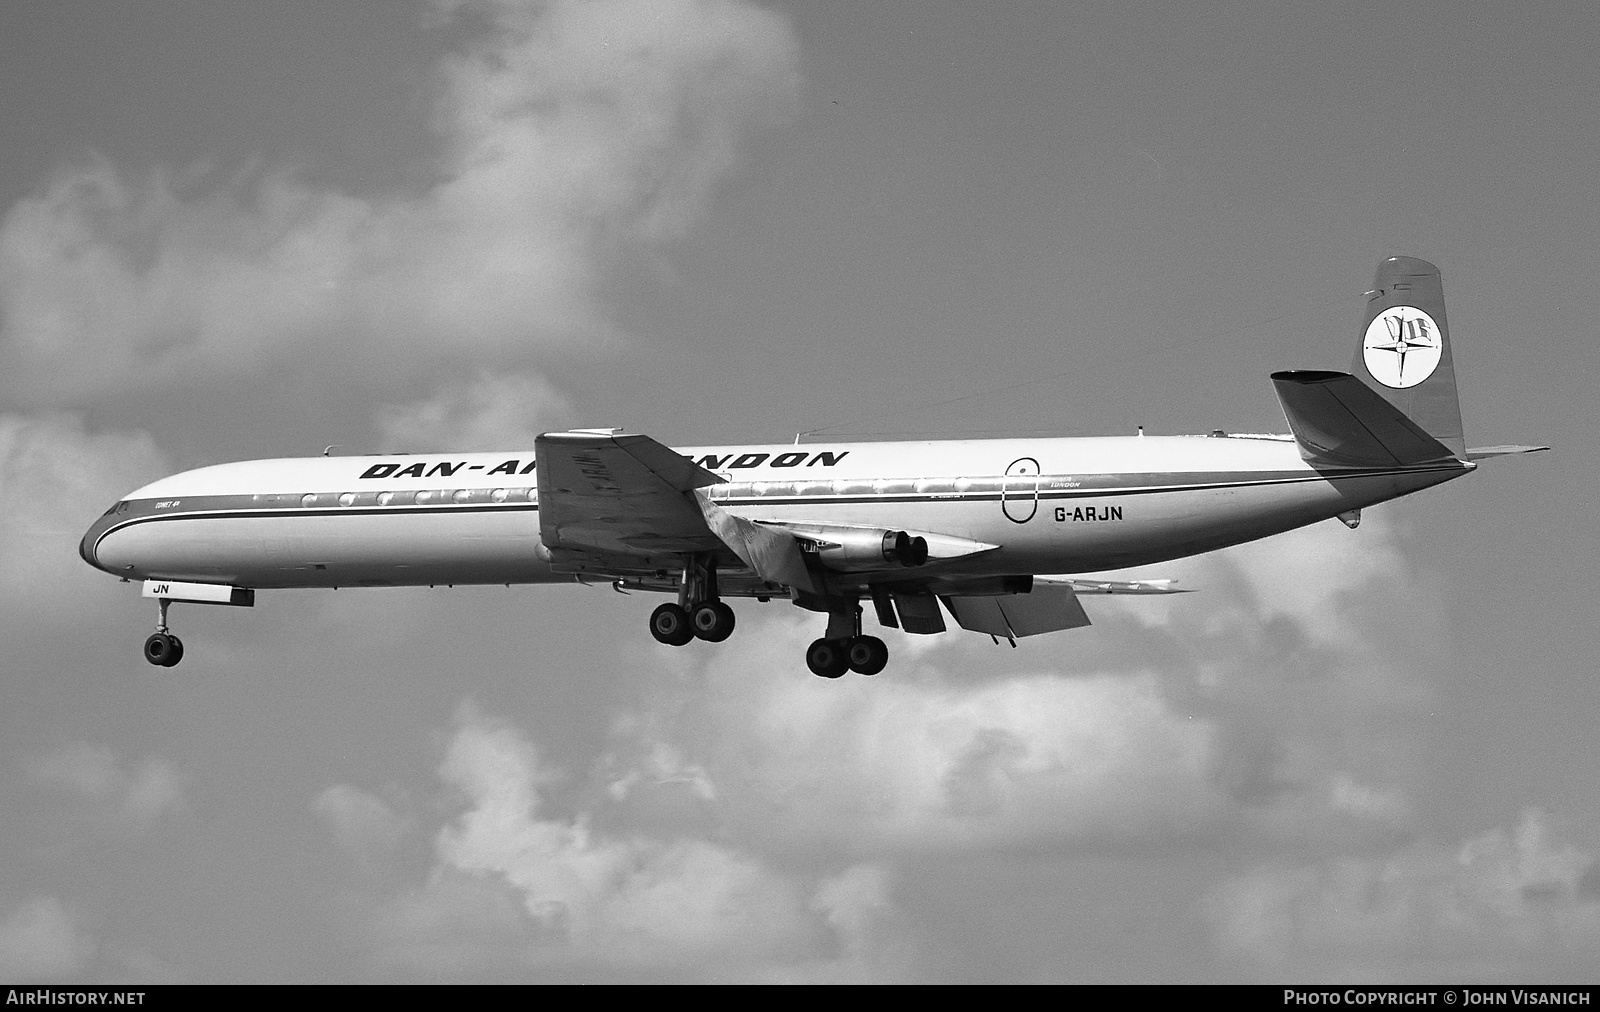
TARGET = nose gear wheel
x,y
163,649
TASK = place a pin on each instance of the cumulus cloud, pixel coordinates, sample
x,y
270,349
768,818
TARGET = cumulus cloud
x,y
1502,904
55,478
914,761
113,791
515,883
41,941
568,134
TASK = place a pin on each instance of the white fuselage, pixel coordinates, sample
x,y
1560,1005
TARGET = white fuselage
x,y
1059,505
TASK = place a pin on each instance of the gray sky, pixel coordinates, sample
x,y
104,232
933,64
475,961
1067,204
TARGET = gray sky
x,y
235,232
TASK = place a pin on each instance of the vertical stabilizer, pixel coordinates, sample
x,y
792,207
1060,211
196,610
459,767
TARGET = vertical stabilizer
x,y
1404,352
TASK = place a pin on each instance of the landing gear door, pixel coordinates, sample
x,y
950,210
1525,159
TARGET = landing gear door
x,y
1019,495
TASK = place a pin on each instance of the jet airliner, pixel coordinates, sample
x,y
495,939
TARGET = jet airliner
x,y
995,532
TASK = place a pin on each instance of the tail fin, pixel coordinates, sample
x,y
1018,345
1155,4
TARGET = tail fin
x,y
1404,353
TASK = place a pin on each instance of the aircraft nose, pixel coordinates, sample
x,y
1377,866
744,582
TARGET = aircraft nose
x,y
91,537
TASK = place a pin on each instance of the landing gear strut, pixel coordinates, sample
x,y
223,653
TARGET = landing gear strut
x,y
699,611
844,648
162,648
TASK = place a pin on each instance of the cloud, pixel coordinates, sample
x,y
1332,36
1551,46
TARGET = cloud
x,y
516,885
568,134
632,898
39,941
491,412
55,478
1504,904
91,775
915,761
369,829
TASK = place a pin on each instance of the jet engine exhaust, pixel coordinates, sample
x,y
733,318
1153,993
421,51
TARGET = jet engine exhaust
x,y
855,550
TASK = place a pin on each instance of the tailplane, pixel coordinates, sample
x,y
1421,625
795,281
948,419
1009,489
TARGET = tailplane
x,y
1339,422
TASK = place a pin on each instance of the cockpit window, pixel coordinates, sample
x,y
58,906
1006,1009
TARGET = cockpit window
x,y
117,507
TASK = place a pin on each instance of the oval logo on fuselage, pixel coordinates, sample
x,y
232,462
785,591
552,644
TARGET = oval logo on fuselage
x,y
1019,496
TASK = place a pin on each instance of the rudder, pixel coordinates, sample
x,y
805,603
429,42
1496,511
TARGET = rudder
x,y
1404,352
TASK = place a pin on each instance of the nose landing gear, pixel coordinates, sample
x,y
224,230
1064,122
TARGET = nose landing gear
x,y
162,648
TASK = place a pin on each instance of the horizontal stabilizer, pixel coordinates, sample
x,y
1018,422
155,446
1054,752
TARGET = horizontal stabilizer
x,y
1485,452
1338,421
1047,608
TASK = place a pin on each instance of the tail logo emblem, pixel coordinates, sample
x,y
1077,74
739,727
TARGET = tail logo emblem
x,y
1402,347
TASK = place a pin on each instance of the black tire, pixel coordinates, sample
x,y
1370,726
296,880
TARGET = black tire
x,y
713,621
176,653
827,658
158,650
868,655
669,624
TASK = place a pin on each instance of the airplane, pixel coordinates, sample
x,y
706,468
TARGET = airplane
x,y
999,532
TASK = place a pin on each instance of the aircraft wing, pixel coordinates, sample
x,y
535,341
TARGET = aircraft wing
x,y
619,495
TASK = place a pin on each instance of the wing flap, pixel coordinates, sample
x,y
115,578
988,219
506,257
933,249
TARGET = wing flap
x,y
1047,608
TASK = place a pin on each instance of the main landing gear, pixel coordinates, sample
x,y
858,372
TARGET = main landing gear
x,y
162,648
844,648
699,612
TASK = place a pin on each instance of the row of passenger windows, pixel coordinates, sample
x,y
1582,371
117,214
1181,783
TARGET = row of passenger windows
x,y
880,486
426,497
734,490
